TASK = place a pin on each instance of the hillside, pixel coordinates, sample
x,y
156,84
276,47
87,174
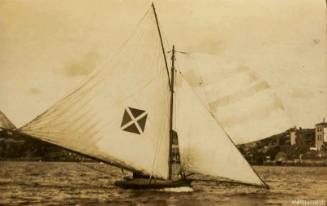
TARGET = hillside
x,y
278,149
16,147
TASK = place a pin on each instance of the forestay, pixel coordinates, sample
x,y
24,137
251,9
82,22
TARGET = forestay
x,y
204,146
121,114
240,101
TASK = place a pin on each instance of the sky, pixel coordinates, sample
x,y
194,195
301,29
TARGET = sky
x,y
48,48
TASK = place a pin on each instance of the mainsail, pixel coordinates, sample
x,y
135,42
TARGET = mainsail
x,y
204,146
241,102
121,114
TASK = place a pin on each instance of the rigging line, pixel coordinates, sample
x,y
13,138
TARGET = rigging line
x,y
230,139
198,69
155,156
159,140
196,94
140,37
159,63
137,34
136,54
162,45
124,43
166,40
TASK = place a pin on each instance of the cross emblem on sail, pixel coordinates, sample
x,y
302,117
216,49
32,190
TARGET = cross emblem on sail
x,y
134,120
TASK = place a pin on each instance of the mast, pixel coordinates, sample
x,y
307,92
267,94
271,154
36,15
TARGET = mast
x,y
171,86
171,111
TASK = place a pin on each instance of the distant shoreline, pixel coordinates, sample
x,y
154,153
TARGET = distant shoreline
x,y
40,160
295,164
315,164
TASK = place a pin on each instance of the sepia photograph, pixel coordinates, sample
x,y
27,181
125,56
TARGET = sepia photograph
x,y
163,102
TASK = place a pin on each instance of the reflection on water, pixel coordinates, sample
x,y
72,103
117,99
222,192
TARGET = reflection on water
x,y
56,183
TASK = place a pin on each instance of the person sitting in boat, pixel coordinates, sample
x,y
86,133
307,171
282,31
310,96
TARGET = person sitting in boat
x,y
139,175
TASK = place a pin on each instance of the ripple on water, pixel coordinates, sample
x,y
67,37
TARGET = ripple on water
x,y
56,183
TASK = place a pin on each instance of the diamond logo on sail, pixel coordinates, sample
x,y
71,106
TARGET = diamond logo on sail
x,y
134,120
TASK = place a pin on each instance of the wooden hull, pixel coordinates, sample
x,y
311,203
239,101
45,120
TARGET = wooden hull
x,y
143,183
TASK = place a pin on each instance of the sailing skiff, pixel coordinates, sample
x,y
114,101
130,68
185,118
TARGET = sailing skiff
x,y
125,115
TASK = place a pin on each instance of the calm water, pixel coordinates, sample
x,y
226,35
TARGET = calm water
x,y
53,183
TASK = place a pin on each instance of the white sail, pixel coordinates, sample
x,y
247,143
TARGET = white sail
x,y
204,146
241,102
5,122
121,115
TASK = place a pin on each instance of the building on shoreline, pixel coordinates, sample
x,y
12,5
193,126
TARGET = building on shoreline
x,y
321,135
300,136
295,145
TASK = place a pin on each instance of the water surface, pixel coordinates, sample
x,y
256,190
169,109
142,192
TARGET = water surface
x,y
66,183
